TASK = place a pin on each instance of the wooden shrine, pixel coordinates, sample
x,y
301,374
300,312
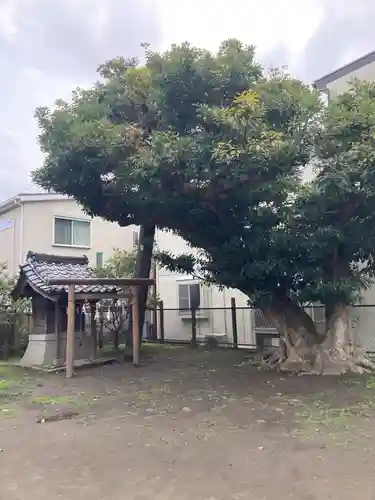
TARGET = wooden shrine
x,y
59,288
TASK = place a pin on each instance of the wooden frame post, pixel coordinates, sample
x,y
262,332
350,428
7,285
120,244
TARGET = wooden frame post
x,y
94,336
57,332
135,332
194,328
70,334
234,322
161,321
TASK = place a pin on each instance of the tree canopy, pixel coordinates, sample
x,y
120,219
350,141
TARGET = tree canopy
x,y
121,264
215,149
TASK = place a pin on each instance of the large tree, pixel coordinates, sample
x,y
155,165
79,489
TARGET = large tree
x,y
210,147
133,102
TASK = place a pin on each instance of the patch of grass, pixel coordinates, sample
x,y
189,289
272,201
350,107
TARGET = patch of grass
x,y
319,418
370,382
7,411
157,345
5,385
14,381
51,400
51,405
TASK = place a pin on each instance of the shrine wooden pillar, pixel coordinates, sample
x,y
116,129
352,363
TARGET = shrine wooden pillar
x,y
57,332
93,329
70,334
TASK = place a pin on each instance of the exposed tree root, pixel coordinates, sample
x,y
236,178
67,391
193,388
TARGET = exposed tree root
x,y
302,350
319,360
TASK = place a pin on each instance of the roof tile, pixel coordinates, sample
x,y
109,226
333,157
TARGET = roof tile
x,y
39,269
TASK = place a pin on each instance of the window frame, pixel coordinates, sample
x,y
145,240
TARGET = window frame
x,y
202,310
99,256
135,239
72,220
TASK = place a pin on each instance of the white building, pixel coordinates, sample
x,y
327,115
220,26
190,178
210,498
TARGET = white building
x,y
55,224
338,81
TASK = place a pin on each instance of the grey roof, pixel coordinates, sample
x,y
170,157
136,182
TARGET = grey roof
x,y
321,83
39,269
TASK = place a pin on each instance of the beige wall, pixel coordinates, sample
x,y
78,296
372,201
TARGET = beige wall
x,y
10,240
39,226
218,320
342,84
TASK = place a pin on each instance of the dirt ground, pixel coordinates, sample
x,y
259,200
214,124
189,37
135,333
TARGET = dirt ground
x,y
202,425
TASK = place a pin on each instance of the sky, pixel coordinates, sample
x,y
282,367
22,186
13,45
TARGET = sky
x,y
49,47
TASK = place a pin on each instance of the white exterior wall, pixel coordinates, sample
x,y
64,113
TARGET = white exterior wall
x,y
10,239
38,232
215,315
342,84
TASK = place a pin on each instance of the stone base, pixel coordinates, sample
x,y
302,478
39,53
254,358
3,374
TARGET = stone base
x,y
42,349
78,364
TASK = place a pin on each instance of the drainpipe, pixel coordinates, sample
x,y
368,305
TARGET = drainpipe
x,y
20,259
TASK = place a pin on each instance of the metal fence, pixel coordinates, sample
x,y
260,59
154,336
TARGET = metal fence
x,y
363,323
233,326
245,327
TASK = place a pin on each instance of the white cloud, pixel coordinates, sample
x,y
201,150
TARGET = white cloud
x,y
266,24
8,23
48,47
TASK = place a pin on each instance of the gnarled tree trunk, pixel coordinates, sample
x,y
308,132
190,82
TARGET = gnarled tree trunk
x,y
340,352
303,349
298,336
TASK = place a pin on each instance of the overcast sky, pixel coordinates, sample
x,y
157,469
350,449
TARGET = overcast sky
x,y
48,47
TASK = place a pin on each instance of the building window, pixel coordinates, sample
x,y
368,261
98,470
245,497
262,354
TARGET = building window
x,y
72,232
135,239
189,296
99,260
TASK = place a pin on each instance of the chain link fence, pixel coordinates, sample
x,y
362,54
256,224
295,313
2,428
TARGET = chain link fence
x,y
363,323
247,327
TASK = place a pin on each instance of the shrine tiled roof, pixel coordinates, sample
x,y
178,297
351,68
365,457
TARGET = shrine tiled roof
x,y
39,269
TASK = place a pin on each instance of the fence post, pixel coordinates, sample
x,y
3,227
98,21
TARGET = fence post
x,y
234,322
161,321
193,328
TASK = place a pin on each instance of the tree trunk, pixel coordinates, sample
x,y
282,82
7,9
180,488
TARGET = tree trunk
x,y
142,270
340,352
304,350
298,337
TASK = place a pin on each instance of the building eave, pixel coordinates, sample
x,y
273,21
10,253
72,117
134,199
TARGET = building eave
x,y
323,82
23,198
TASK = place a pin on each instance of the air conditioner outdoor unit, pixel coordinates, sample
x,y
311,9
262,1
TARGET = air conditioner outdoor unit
x,y
212,338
